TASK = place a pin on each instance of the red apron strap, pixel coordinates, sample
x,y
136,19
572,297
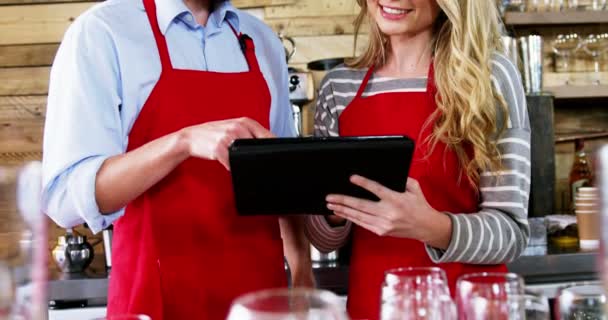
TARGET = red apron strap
x,y
161,43
368,75
248,49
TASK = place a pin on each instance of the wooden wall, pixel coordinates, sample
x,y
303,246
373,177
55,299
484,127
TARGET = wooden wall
x,y
30,33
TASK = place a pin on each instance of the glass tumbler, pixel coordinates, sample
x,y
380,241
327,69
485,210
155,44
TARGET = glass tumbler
x,y
416,294
581,302
490,296
288,304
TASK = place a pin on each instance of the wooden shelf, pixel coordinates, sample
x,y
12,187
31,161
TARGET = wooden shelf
x,y
574,92
546,18
570,135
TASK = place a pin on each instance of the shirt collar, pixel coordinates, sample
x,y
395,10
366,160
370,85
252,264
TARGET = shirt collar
x,y
169,10
225,12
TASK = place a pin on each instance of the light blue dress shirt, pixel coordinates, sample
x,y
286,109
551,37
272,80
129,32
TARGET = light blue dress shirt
x,y
104,71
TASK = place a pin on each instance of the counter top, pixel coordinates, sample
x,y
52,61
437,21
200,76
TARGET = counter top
x,y
91,288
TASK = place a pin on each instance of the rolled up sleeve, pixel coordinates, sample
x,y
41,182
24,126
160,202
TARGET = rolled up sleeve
x,y
83,126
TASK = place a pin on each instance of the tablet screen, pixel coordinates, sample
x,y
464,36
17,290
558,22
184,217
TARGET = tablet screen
x,y
294,175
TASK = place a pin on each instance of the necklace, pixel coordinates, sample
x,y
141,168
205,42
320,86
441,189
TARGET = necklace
x,y
414,67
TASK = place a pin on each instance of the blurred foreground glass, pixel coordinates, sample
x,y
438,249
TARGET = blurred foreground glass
x,y
126,317
490,296
287,304
537,307
23,244
582,302
416,294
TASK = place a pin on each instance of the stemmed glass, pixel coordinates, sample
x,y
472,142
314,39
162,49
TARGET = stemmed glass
x,y
490,296
564,47
537,307
416,294
287,304
23,243
595,46
581,302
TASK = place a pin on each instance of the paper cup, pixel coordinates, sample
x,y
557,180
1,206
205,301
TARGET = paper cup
x,y
588,228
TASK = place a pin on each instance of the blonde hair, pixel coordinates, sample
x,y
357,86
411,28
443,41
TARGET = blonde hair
x,y
466,35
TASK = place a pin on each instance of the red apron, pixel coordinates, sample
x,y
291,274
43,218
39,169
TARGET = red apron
x,y
180,251
444,184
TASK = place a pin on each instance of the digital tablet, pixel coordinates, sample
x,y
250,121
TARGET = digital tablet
x,y
294,175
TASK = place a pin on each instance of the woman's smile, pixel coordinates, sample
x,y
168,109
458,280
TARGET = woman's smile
x,y
394,13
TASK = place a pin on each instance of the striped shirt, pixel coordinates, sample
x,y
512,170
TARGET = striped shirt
x,y
499,231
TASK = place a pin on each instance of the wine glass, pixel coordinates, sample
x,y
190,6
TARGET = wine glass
x,y
490,296
23,243
564,47
581,302
536,306
595,46
287,304
538,5
416,294
604,58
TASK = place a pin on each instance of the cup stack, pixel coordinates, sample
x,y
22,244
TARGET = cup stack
x,y
587,209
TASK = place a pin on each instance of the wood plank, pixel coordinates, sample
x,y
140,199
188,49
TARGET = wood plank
x,y
314,48
571,92
28,55
21,135
17,158
315,8
43,23
21,128
260,3
315,26
22,108
24,81
561,18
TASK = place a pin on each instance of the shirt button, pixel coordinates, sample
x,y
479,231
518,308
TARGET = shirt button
x,y
189,18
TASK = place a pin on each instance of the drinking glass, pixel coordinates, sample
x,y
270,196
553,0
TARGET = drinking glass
x,y
416,294
557,5
604,58
490,296
287,304
536,306
564,47
581,302
595,46
538,5
23,243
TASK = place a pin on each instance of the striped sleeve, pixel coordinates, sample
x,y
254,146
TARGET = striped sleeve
x,y
320,233
499,232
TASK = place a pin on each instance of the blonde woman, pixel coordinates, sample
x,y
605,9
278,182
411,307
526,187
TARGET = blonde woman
x,y
431,71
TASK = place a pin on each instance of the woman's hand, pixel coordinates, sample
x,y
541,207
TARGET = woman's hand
x,y
402,215
211,140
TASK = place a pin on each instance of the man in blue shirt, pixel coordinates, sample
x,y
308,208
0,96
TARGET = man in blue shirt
x,y
145,98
